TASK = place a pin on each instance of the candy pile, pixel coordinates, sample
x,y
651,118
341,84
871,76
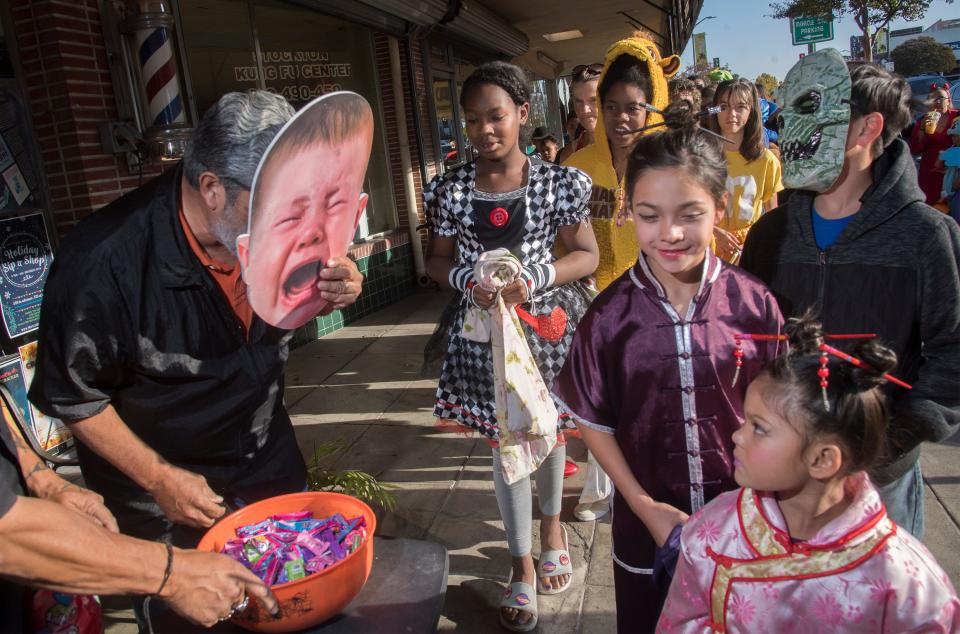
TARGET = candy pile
x,y
292,546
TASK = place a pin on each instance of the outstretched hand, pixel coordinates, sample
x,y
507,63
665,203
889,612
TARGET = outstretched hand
x,y
206,587
186,498
86,502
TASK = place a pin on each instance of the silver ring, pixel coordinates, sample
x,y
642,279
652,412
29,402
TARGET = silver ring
x,y
240,607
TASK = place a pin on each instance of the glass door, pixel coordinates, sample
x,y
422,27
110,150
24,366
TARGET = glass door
x,y
447,123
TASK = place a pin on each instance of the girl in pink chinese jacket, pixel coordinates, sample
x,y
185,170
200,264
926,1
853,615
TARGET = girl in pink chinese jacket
x,y
806,545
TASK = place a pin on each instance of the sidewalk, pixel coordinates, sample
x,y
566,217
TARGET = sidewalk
x,y
362,384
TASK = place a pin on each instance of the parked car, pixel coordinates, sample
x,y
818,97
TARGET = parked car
x,y
955,92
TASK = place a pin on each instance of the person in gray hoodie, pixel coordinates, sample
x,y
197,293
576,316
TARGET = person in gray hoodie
x,y
867,255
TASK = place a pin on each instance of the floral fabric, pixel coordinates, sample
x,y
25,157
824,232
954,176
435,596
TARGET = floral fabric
x,y
525,410
739,571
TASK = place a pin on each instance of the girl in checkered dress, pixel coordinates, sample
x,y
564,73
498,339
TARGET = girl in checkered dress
x,y
504,199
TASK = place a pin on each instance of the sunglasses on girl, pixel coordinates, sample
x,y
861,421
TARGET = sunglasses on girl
x,y
582,72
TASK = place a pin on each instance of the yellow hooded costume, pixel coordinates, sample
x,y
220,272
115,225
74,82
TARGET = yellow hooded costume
x,y
618,245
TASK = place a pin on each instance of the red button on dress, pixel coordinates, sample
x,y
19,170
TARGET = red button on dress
x,y
499,217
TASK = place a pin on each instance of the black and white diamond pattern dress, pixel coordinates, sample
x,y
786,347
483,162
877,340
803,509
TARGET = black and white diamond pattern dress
x,y
554,197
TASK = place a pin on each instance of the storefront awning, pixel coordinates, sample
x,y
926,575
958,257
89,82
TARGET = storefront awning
x,y
529,30
592,26
466,21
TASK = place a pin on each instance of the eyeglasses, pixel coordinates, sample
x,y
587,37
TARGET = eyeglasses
x,y
583,72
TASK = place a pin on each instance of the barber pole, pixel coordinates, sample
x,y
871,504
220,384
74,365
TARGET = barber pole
x,y
159,76
151,58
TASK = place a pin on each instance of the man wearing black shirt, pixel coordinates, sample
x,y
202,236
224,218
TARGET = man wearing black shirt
x,y
150,352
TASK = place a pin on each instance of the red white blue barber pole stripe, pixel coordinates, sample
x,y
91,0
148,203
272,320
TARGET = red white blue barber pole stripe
x,y
159,76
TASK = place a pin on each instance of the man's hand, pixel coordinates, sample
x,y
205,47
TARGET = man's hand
x,y
84,501
44,483
205,587
185,498
340,282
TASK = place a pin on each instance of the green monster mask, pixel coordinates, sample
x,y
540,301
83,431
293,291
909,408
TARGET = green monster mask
x,y
816,115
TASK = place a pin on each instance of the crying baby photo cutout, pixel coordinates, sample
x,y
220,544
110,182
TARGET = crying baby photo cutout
x,y
306,201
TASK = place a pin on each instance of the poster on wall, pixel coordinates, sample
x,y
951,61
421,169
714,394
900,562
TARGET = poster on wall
x,y
25,259
11,377
305,203
19,188
52,434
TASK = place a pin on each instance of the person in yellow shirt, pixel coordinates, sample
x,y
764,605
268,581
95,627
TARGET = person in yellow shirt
x,y
753,171
634,75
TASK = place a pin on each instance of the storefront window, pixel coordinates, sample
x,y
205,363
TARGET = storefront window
x,y
464,69
303,54
446,122
219,43
545,107
20,182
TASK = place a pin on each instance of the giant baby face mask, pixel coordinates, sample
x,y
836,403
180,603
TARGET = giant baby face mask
x,y
305,203
816,116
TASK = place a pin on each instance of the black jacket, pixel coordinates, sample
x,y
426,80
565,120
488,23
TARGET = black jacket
x,y
130,318
895,271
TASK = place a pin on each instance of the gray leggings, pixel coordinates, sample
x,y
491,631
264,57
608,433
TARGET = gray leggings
x,y
516,501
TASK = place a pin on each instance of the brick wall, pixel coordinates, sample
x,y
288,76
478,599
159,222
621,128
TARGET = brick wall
x,y
69,93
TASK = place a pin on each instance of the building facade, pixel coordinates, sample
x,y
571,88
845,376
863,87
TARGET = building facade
x,y
944,31
98,95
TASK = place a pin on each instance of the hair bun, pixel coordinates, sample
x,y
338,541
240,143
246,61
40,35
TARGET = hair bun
x,y
805,335
881,360
680,115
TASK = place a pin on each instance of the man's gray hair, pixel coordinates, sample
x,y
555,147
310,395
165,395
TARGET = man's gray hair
x,y
232,137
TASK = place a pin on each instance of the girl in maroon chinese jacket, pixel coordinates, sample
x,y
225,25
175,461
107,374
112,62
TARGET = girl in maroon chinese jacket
x,y
650,377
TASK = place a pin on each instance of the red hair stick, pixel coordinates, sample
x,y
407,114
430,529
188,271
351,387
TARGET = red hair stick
x,y
860,364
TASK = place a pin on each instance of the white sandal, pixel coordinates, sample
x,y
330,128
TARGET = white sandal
x,y
519,596
553,563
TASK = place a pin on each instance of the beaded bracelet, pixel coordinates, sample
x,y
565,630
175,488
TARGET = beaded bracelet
x,y
169,569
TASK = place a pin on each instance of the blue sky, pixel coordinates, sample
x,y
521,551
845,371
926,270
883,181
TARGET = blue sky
x,y
751,42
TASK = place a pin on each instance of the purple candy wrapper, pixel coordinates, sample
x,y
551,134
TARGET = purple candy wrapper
x,y
352,524
299,525
255,529
292,546
293,517
273,569
335,549
310,543
320,563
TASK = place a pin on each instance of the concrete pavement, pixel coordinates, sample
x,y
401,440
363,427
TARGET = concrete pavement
x,y
362,385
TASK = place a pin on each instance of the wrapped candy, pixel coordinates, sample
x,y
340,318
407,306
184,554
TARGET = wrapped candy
x,y
292,546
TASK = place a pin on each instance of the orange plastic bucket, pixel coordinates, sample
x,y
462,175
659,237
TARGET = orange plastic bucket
x,y
314,599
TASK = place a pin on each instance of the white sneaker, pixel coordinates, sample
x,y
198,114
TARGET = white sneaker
x,y
592,511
